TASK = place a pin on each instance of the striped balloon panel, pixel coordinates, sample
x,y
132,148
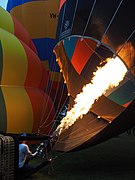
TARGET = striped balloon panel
x,y
10,24
22,110
6,21
14,69
85,56
38,17
19,113
18,67
47,12
22,80
81,50
36,72
76,81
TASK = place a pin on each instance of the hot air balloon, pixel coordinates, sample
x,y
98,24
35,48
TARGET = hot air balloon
x,y
23,101
40,20
88,33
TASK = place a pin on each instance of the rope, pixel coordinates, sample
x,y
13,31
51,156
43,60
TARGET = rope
x,y
45,106
88,23
62,19
89,18
112,19
94,51
126,41
74,15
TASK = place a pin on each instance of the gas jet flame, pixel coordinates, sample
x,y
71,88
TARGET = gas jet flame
x,y
110,75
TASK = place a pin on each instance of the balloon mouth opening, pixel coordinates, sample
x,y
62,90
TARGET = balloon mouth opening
x,y
106,76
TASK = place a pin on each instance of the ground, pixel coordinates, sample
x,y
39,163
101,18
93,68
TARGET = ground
x,y
111,160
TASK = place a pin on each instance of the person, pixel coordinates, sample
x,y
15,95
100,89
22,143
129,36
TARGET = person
x,y
25,155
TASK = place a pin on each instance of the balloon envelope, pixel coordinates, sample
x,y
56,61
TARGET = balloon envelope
x,y
40,20
87,34
24,104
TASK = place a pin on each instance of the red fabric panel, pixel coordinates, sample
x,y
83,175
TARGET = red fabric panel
x,y
61,3
34,69
127,104
83,50
43,110
22,34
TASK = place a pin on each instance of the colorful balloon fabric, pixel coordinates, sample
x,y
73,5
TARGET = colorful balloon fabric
x,y
104,22
79,35
40,17
88,33
24,104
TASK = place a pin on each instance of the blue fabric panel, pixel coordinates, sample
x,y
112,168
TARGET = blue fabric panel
x,y
45,52
69,45
13,3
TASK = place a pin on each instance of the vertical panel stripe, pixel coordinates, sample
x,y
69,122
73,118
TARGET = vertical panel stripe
x,y
40,18
3,117
14,60
6,21
34,74
19,110
2,104
1,60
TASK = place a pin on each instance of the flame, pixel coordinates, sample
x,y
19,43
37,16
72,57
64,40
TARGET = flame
x,y
110,75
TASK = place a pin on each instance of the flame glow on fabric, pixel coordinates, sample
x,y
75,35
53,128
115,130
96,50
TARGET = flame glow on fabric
x,y
110,75
78,57
87,33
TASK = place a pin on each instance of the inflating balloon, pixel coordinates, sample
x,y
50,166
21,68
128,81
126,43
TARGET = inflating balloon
x,y
23,102
93,44
40,19
88,34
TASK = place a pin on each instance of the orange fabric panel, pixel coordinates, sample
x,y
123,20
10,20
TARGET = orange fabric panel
x,y
36,98
18,109
84,49
61,3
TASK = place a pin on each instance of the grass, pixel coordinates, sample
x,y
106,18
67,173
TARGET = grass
x,y
111,160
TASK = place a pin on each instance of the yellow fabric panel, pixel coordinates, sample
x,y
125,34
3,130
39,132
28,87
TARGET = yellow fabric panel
x,y
38,17
19,110
14,69
6,21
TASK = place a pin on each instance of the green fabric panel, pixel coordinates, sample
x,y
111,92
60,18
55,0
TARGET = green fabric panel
x,y
3,117
1,61
3,123
124,94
